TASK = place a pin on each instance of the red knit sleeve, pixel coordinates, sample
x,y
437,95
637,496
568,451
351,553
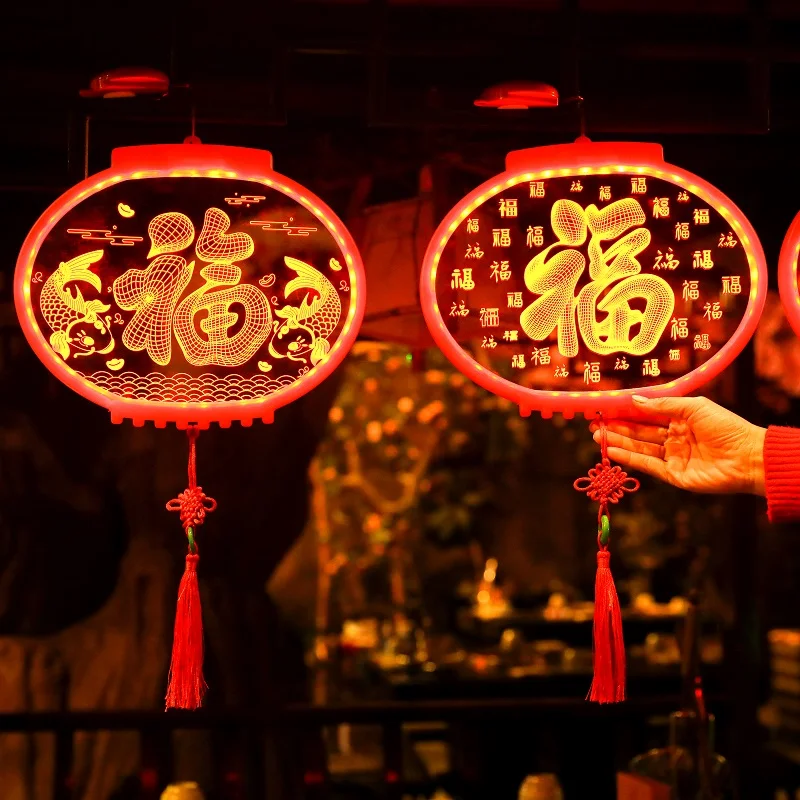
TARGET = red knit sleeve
x,y
782,473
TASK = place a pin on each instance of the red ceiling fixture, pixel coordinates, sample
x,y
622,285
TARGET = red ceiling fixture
x,y
127,82
519,96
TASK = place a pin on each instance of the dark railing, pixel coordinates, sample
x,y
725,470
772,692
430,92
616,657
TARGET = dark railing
x,y
296,732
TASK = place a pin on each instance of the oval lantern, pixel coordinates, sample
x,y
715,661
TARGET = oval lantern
x,y
590,272
189,284
787,274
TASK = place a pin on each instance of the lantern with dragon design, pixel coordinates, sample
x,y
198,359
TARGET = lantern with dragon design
x,y
189,284
583,275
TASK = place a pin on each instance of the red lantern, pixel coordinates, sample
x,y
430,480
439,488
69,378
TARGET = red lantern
x,y
585,274
189,284
787,275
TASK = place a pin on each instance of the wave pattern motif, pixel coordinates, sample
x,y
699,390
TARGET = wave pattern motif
x,y
182,388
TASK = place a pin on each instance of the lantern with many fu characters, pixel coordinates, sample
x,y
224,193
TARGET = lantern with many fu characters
x,y
586,274
590,272
189,284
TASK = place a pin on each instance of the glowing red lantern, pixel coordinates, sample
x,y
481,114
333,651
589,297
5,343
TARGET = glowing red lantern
x,y
585,274
590,272
189,284
787,275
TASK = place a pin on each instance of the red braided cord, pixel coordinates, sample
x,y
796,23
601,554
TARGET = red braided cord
x,y
605,484
192,503
192,433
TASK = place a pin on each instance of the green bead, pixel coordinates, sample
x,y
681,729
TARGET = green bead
x,y
605,530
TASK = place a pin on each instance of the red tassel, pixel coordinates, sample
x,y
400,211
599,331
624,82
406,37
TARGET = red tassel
x,y
605,485
187,687
608,685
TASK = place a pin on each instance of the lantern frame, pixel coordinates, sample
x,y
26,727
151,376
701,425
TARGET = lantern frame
x,y
787,274
200,161
579,159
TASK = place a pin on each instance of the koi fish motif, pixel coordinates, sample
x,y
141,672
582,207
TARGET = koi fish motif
x,y
306,328
75,321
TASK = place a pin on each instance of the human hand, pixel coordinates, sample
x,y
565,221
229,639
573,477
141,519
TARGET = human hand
x,y
691,443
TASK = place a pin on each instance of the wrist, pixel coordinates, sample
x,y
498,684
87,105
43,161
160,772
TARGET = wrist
x,y
755,472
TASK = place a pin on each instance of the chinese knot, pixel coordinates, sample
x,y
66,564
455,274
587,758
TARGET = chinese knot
x,y
605,484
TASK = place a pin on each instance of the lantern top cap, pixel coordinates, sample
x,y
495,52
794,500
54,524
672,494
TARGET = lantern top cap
x,y
584,152
190,156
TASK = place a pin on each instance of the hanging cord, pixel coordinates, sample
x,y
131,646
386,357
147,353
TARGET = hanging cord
x,y
193,504
606,485
187,685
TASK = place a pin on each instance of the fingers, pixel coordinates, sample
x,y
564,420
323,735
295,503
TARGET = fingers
x,y
640,461
653,448
643,432
673,407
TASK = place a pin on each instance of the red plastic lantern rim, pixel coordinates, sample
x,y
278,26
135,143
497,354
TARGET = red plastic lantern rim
x,y
584,158
207,161
787,275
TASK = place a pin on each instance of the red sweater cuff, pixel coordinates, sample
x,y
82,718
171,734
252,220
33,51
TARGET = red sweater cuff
x,y
782,473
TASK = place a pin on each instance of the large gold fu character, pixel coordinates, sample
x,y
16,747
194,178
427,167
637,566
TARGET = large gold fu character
x,y
555,279
616,265
215,342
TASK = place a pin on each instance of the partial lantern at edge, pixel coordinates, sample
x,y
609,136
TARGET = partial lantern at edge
x,y
787,275
590,272
190,284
